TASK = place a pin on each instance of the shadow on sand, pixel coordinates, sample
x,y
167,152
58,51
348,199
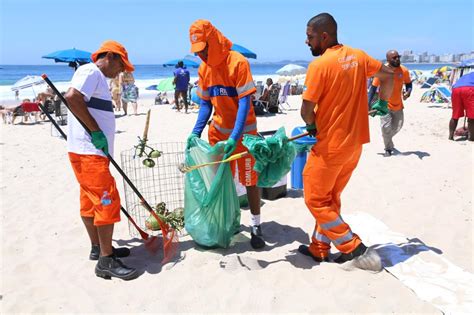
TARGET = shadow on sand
x,y
142,257
393,254
419,154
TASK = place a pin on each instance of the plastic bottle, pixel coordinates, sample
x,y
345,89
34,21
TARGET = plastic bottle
x,y
105,200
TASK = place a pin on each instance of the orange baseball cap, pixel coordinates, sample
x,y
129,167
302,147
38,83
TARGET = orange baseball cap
x,y
198,34
116,48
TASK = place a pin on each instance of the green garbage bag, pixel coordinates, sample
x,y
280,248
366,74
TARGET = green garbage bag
x,y
211,204
273,156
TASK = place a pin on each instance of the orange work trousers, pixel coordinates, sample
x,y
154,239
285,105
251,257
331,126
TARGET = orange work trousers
x,y
324,178
93,174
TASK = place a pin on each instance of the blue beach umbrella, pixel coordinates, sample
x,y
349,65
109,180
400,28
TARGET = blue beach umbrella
x,y
186,61
244,51
70,55
467,63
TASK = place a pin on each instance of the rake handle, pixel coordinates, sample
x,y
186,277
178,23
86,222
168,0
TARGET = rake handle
x,y
304,134
117,167
239,155
229,159
147,124
143,234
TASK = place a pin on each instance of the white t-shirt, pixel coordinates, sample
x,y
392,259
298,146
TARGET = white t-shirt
x,y
92,83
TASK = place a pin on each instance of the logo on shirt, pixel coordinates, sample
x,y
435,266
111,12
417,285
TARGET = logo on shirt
x,y
348,62
223,92
220,90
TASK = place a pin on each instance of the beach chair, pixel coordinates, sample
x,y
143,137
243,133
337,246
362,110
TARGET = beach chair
x,y
259,87
299,89
445,92
60,112
437,94
272,105
283,102
31,109
429,82
259,108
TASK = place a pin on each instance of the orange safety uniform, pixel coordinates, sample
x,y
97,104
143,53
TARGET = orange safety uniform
x,y
93,174
336,82
224,78
401,76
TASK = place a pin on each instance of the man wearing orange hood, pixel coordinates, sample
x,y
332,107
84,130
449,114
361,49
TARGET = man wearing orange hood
x,y
335,111
226,84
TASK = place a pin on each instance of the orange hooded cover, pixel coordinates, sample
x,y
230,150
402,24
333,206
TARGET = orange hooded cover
x,y
202,32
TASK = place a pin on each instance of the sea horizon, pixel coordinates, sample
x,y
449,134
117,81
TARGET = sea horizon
x,y
9,74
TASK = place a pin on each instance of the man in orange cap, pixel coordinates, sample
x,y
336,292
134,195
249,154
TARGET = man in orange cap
x,y
226,84
335,111
91,102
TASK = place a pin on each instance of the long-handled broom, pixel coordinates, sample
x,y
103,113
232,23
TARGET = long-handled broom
x,y
169,236
143,234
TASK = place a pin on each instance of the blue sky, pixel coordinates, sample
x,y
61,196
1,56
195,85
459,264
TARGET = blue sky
x,y
154,31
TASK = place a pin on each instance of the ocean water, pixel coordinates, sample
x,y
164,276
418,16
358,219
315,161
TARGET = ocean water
x,y
145,75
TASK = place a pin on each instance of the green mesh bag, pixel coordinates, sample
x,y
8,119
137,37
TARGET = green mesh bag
x,y
211,204
273,156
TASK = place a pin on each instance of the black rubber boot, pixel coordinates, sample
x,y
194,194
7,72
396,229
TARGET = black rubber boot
x,y
110,266
303,249
119,252
388,153
256,237
358,251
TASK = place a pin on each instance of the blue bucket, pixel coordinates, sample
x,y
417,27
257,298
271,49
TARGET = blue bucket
x,y
300,161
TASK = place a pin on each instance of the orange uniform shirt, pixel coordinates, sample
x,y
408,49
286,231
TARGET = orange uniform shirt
x,y
337,83
401,75
223,85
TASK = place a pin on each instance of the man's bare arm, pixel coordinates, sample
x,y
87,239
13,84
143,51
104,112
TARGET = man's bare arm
x,y
307,112
78,106
385,75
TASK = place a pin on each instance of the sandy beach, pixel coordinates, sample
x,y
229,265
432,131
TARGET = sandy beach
x,y
423,193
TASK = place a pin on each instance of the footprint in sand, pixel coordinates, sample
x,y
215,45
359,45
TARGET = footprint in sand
x,y
234,263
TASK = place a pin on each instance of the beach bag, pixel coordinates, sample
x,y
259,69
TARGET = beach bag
x,y
258,108
211,204
463,131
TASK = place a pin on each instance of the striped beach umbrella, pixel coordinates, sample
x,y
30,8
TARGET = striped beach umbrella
x,y
26,82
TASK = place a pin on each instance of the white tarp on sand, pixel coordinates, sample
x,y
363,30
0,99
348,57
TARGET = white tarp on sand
x,y
431,276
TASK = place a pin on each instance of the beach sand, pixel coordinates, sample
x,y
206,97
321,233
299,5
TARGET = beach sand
x,y
425,192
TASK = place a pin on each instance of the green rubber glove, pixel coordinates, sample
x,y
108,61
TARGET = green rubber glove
x,y
100,141
230,146
381,108
311,129
189,140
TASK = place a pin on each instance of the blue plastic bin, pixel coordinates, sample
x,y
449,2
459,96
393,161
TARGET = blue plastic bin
x,y
300,160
